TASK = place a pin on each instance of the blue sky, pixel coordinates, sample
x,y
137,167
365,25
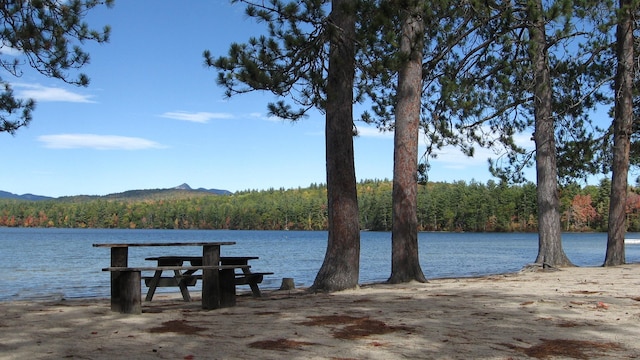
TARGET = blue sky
x,y
153,117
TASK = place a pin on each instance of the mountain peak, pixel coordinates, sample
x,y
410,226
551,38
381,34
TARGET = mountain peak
x,y
184,186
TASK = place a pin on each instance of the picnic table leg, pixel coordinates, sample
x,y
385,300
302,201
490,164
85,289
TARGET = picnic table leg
x,y
210,277
227,288
153,285
182,285
129,283
119,258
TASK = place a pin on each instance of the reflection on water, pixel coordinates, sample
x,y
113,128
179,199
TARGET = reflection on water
x,y
61,263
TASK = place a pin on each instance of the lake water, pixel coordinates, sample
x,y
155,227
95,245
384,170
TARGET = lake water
x,y
62,263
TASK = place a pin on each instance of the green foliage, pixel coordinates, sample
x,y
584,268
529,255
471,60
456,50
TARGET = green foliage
x,y
479,78
290,62
47,34
458,206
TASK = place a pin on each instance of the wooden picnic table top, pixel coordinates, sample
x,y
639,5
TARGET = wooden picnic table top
x,y
204,243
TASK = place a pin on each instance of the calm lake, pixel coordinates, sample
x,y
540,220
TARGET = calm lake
x,y
61,263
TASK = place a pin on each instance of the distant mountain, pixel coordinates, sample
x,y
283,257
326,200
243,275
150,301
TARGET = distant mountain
x,y
31,197
178,191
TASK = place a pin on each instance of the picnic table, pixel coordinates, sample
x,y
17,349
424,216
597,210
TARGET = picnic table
x,y
218,287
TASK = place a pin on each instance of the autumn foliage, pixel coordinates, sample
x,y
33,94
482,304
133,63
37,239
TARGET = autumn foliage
x,y
458,206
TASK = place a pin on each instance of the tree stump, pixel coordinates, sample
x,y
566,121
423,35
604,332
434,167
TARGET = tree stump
x,y
287,284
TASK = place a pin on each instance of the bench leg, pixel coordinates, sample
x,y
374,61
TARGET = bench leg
x,y
255,290
129,287
227,288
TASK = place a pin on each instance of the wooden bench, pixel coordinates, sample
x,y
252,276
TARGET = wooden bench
x,y
252,279
188,279
127,280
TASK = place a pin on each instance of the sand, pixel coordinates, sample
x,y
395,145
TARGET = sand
x,y
579,313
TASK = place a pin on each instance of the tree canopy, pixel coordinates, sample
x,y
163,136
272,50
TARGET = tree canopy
x,y
46,35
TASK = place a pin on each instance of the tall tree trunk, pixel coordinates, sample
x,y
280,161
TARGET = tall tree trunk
x,y
622,128
405,262
340,269
550,250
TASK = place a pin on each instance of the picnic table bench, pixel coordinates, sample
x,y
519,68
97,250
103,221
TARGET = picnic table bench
x,y
188,278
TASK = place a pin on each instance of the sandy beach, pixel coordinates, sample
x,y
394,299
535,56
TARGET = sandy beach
x,y
574,313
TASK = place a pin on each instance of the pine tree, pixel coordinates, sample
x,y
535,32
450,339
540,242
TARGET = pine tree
x,y
308,58
515,70
405,262
622,130
46,34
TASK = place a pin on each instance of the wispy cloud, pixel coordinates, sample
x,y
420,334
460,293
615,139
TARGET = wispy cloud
x,y
45,93
261,116
452,158
198,117
372,132
8,50
99,142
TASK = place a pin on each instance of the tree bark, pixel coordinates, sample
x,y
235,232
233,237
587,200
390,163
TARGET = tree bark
x,y
340,268
550,251
622,129
405,262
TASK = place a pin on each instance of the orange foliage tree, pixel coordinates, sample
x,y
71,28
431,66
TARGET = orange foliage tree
x,y
581,213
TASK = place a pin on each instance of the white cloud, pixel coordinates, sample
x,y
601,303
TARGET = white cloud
x,y
198,117
452,158
260,116
8,50
44,93
99,142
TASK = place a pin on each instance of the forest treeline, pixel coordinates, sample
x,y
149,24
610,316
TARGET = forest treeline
x,y
457,206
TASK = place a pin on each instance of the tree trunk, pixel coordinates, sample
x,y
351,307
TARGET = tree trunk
x,y
340,269
405,262
622,128
550,250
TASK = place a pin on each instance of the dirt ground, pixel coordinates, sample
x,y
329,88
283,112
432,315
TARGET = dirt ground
x,y
574,313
